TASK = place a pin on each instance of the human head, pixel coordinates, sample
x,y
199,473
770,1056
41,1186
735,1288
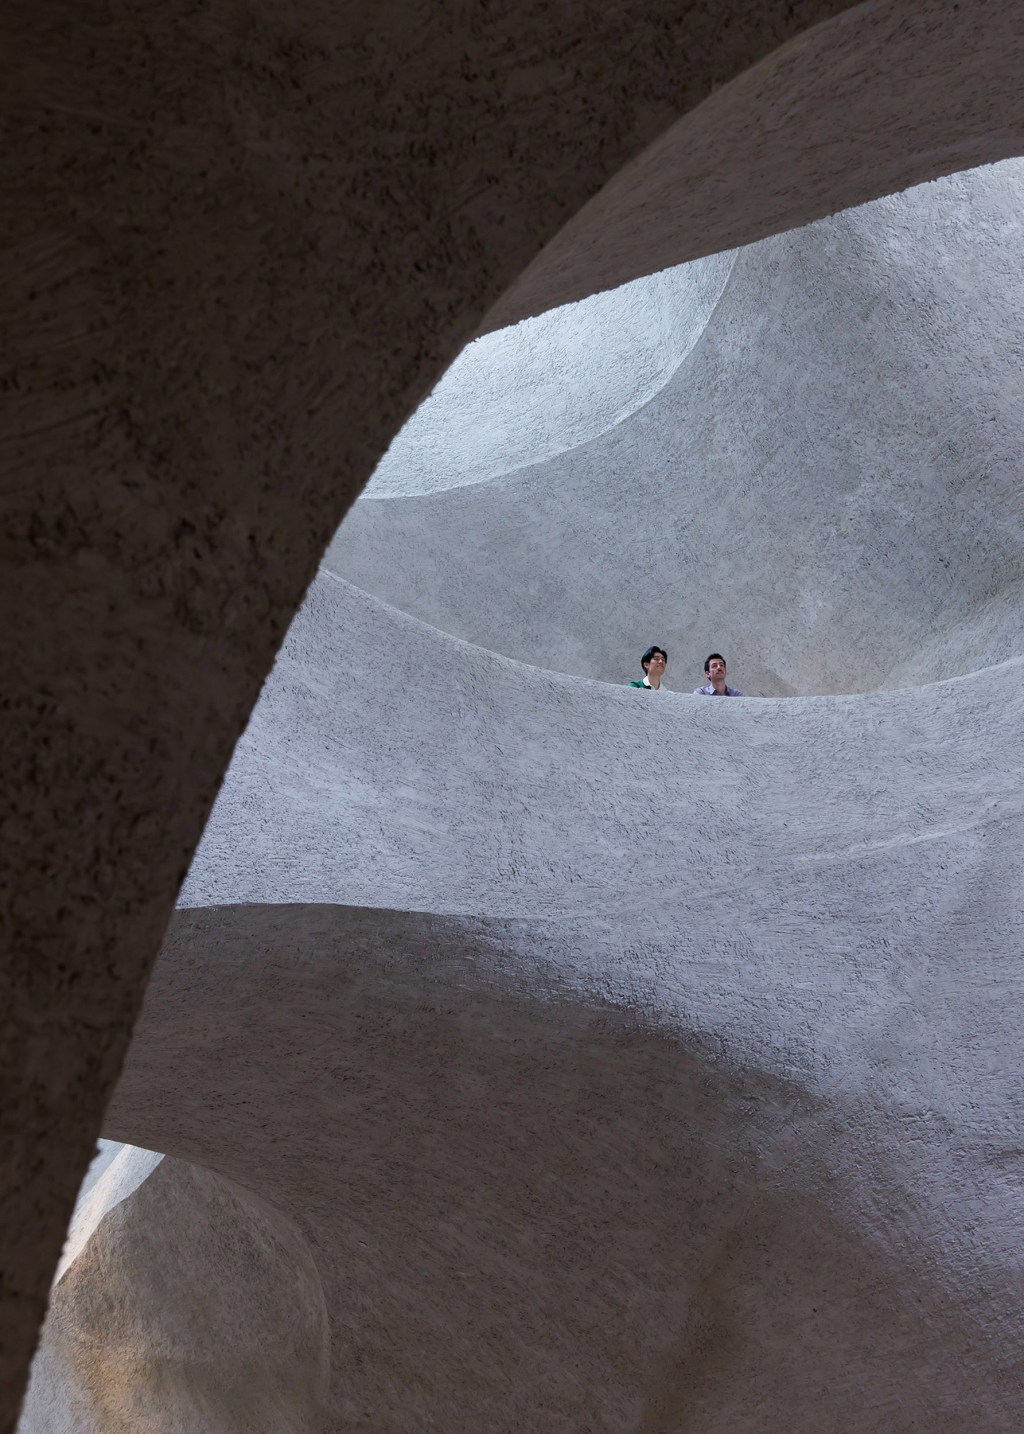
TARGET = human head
x,y
650,654
716,658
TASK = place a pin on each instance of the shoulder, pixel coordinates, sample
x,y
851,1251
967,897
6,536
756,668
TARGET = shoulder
x,y
637,684
735,692
700,692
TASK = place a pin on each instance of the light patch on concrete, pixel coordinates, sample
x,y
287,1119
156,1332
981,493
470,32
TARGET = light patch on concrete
x,y
524,394
116,1173
183,1304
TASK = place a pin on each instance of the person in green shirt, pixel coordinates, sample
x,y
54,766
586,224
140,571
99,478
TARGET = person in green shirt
x,y
653,662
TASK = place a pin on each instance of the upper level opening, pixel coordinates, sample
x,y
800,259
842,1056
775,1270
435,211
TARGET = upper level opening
x,y
806,453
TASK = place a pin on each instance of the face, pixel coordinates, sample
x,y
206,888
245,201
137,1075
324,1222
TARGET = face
x,y
716,669
656,666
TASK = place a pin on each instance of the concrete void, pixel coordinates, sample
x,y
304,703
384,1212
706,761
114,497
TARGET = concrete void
x,y
523,1053
676,1087
826,488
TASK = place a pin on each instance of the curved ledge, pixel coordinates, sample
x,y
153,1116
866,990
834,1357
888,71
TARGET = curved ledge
x,y
827,491
390,764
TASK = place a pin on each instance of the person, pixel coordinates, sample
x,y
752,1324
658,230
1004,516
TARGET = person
x,y
714,668
653,662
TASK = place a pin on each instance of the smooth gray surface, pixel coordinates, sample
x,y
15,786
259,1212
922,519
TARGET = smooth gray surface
x,y
828,490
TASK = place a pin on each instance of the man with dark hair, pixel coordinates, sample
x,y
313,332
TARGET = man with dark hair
x,y
714,668
653,662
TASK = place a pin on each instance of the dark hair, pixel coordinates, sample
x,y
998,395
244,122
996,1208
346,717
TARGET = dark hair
x,y
710,658
646,659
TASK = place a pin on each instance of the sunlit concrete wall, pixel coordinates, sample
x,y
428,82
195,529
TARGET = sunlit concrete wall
x,y
827,490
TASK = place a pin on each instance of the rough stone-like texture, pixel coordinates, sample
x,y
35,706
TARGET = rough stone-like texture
x,y
796,125
524,394
746,1160
828,490
698,1108
186,1305
239,244
475,785
115,1174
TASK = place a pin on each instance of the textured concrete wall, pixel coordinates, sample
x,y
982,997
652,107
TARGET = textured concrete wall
x,y
524,394
238,248
827,490
796,124
684,1091
745,1159
388,764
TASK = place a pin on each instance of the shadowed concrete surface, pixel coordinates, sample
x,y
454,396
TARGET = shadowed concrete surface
x,y
749,1163
183,1305
239,247
237,250
827,489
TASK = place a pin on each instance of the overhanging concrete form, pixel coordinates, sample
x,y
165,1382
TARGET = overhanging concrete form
x,y
525,1052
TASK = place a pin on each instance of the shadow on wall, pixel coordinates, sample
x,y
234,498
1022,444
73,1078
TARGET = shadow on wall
x,y
541,1200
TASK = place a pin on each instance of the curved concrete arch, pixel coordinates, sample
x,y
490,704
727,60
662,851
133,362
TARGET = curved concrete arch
x,y
684,1069
518,397
747,149
216,229
828,491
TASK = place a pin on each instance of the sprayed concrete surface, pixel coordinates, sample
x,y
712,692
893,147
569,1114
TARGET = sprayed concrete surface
x,y
826,490
239,248
750,1163
526,393
684,1092
182,1305
473,784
